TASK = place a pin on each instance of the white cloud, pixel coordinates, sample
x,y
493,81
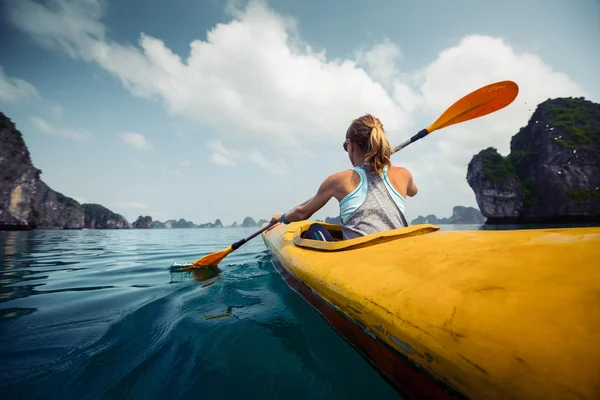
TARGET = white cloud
x,y
135,140
69,133
13,90
228,157
276,166
380,61
251,78
71,26
221,155
476,61
258,84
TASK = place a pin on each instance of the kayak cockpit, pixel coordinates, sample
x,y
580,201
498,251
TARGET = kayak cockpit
x,y
364,241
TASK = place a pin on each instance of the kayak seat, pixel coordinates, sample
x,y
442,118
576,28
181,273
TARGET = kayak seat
x,y
316,231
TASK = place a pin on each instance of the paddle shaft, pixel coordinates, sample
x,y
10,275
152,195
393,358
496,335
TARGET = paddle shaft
x,y
236,245
413,139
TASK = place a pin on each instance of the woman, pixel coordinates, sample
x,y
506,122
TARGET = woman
x,y
372,195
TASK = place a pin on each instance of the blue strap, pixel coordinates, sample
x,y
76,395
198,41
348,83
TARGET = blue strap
x,y
283,218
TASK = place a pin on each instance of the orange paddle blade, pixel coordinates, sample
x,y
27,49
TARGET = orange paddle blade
x,y
478,103
211,260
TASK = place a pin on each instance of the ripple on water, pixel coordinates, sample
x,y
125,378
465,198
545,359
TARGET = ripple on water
x,y
100,314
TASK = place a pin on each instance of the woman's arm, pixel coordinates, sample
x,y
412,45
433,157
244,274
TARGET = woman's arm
x,y
411,189
305,211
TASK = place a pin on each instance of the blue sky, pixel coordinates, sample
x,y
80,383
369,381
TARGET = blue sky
x,y
214,109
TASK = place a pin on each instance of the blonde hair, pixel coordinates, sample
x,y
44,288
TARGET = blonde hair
x,y
367,133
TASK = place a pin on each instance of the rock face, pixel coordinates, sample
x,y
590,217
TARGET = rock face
x,y
143,222
430,219
460,215
552,173
26,202
18,179
499,195
181,223
248,222
217,224
54,210
333,220
157,225
99,217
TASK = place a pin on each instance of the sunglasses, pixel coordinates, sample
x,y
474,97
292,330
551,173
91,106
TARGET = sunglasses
x,y
346,145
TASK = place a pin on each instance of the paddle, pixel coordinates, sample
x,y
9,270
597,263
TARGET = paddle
x,y
478,103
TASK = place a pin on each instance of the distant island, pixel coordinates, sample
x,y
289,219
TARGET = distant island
x,y
552,174
460,215
146,222
27,202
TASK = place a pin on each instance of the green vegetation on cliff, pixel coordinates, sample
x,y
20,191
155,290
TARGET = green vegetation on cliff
x,y
583,196
496,169
5,123
499,170
574,122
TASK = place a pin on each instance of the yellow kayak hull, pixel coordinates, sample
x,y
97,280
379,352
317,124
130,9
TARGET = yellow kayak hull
x,y
459,314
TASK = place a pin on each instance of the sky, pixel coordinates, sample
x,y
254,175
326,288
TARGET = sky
x,y
205,109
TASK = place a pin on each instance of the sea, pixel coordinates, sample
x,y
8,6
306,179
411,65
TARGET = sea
x,y
101,314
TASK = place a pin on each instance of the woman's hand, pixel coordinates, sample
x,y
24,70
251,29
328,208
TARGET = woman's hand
x,y
276,217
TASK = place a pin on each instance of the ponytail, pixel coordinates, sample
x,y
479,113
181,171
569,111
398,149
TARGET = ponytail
x,y
367,132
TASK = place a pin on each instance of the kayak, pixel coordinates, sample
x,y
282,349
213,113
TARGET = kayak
x,y
458,314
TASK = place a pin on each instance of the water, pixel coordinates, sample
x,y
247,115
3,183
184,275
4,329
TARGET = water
x,y
99,314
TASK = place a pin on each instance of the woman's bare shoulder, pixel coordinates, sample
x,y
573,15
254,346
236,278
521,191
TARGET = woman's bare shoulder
x,y
339,179
400,171
342,175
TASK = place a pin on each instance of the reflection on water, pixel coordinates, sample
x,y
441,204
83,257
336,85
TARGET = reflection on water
x,y
197,274
99,314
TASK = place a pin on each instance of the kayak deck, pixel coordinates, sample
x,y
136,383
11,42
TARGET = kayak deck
x,y
491,314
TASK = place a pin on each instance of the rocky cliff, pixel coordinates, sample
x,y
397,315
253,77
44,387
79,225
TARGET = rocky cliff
x,y
181,223
552,173
18,178
248,222
26,202
54,210
216,224
143,222
174,223
333,220
157,225
460,215
99,217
